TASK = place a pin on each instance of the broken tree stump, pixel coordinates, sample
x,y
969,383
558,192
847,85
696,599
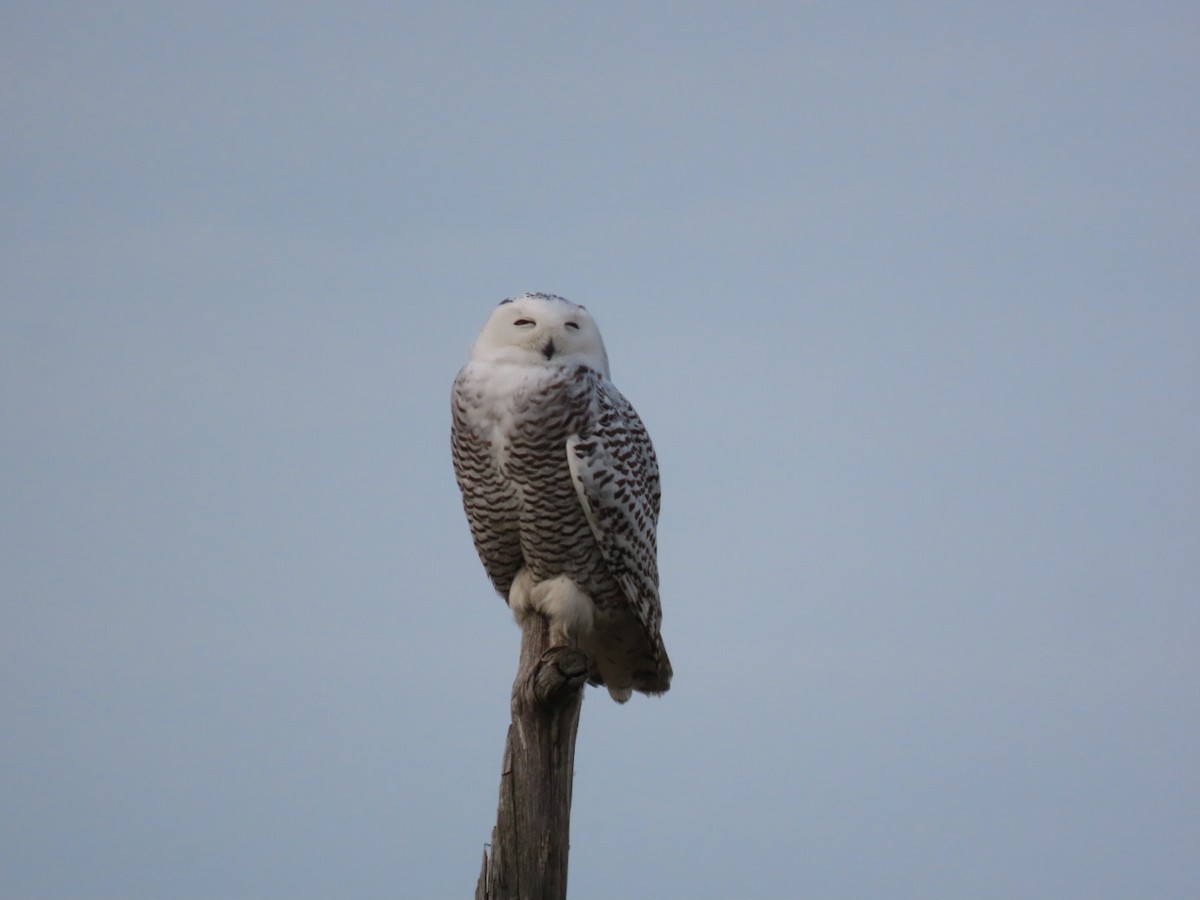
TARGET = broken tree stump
x,y
531,840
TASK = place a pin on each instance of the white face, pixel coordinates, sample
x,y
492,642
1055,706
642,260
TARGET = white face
x,y
541,330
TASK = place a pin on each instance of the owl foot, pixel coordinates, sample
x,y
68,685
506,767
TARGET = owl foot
x,y
568,609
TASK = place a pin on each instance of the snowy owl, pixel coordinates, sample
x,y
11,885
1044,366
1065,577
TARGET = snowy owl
x,y
560,485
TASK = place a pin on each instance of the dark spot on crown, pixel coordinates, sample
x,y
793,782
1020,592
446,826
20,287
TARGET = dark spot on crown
x,y
538,295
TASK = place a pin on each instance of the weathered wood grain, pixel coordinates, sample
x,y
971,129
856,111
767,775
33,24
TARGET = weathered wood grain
x,y
531,840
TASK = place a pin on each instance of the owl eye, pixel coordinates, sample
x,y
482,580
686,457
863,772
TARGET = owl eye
x,y
523,322
574,326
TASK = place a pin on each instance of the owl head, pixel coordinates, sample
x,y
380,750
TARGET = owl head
x,y
541,330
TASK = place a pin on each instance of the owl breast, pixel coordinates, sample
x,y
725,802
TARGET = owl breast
x,y
529,446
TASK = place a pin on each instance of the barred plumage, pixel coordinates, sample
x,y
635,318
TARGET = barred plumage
x,y
561,488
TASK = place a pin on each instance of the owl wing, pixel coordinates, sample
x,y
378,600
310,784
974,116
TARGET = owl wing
x,y
615,473
489,499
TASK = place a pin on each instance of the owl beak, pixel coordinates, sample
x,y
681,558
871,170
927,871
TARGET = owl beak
x,y
549,350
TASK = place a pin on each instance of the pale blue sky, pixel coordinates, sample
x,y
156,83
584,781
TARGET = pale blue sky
x,y
908,295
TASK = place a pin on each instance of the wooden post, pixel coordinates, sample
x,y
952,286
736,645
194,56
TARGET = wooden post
x,y
528,858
